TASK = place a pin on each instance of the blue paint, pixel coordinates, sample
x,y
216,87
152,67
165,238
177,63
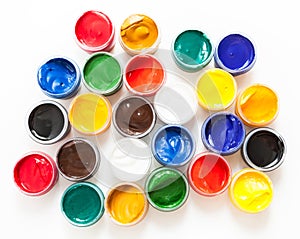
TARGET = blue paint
x,y
59,78
223,133
173,145
235,53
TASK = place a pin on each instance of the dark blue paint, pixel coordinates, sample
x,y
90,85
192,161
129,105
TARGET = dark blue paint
x,y
235,53
223,133
173,145
59,78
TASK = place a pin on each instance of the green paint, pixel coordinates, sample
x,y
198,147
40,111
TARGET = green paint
x,y
102,74
167,189
83,204
192,50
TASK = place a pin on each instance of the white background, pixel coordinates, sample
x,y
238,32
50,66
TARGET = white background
x,y
34,30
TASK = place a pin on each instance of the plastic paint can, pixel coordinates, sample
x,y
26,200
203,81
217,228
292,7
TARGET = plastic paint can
x,y
35,173
235,54
47,122
95,32
59,77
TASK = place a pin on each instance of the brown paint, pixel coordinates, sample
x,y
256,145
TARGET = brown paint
x,y
77,159
134,116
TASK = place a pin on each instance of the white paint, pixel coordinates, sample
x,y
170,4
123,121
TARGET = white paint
x,y
176,102
130,159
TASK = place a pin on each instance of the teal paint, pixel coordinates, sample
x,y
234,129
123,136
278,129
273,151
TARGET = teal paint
x,y
167,189
192,50
102,74
83,204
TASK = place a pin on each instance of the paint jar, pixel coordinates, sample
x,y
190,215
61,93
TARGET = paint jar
x,y
134,116
126,204
257,105
59,78
173,145
167,189
82,204
216,90
95,32
264,149
35,173
102,74
130,159
176,102
47,122
250,190
139,34
235,54
77,159
192,50
209,174
223,133
144,75
90,114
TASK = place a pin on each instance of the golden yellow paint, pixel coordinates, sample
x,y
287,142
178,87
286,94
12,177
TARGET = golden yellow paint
x,y
139,32
216,89
126,204
251,190
257,105
90,113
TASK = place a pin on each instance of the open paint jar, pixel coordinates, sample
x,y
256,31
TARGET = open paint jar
x,y
90,114
82,204
102,74
59,77
144,75
209,174
78,159
47,122
257,105
167,189
235,54
173,145
176,101
139,34
35,173
126,204
264,149
134,116
192,50
216,89
251,190
223,133
130,159
95,32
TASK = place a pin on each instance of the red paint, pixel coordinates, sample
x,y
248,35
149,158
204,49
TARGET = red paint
x,y
209,174
144,75
95,32
35,173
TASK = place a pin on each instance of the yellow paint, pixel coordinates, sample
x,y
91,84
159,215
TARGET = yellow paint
x,y
126,204
216,89
251,190
257,105
139,32
90,113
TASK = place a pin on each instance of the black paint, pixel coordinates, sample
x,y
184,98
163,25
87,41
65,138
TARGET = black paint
x,y
264,148
46,122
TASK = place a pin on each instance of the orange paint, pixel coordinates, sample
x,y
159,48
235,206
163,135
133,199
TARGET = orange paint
x,y
257,105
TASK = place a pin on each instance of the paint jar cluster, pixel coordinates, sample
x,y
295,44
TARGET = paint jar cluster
x,y
151,123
